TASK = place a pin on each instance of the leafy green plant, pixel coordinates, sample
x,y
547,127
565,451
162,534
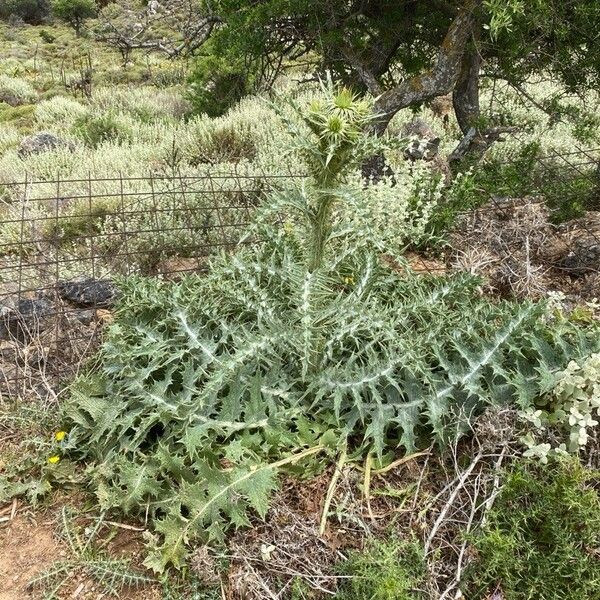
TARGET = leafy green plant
x,y
31,465
47,37
112,575
96,129
385,570
570,410
208,387
218,81
542,536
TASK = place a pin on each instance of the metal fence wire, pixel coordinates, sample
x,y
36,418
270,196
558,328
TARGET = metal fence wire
x,y
63,242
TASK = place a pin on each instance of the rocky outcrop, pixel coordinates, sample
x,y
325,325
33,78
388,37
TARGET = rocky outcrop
x,y
42,142
96,293
84,300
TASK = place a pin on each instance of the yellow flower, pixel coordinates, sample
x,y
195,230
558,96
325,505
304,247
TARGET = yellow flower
x,y
59,436
288,227
54,459
348,280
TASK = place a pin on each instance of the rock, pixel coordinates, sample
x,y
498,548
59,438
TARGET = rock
x,y
42,142
25,318
9,98
34,308
582,259
86,316
424,144
97,293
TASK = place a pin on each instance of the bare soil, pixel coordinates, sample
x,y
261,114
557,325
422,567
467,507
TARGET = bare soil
x,y
29,545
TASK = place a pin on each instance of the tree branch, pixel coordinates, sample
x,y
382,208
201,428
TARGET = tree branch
x,y
366,76
465,96
439,80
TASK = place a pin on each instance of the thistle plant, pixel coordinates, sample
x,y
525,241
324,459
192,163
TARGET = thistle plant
x,y
207,388
333,143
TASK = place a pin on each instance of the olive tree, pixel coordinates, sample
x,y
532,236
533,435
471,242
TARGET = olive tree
x,y
407,52
74,12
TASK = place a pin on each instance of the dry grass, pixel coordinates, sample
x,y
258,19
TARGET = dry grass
x,y
513,245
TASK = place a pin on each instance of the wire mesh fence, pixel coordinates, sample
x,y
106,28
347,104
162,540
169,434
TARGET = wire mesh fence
x,y
63,242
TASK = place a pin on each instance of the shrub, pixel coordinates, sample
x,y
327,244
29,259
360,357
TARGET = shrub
x,y
400,212
307,343
171,224
59,111
9,138
146,104
83,221
569,411
384,570
74,12
47,37
18,116
15,91
218,82
31,11
225,143
541,536
97,129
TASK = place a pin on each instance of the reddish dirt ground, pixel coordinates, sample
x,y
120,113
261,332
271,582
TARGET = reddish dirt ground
x,y
29,545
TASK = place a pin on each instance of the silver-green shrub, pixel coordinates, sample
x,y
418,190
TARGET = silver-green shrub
x,y
571,410
59,112
15,91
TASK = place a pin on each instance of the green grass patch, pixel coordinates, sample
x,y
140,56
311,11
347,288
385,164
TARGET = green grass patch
x,y
385,570
542,537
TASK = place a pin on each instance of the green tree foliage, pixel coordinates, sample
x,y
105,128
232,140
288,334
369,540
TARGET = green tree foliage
x,y
218,81
545,36
408,52
208,387
542,537
31,11
74,12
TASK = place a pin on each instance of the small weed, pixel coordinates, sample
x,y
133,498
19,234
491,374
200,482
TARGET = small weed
x,y
542,537
188,588
390,570
112,575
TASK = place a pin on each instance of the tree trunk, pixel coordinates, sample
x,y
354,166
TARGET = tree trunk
x,y
438,81
465,99
465,96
